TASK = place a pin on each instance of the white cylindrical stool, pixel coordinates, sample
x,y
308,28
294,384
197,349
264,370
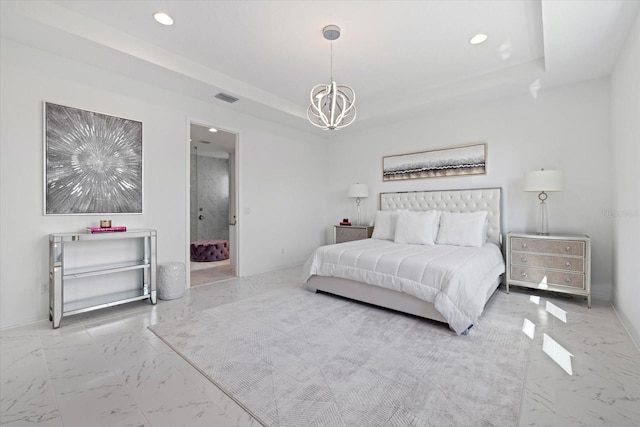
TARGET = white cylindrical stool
x,y
171,280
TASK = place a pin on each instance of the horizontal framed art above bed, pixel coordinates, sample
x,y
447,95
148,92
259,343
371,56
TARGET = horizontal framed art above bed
x,y
468,159
444,278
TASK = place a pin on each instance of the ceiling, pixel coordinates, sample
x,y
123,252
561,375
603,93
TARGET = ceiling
x,y
213,144
401,57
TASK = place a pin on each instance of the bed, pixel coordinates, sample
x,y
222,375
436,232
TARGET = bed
x,y
433,254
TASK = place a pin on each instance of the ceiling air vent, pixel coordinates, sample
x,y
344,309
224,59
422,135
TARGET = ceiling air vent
x,y
226,98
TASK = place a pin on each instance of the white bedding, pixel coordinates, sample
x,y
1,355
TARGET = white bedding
x,y
455,279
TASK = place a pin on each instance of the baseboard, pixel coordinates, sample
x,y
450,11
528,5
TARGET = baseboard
x,y
278,267
23,324
601,291
626,324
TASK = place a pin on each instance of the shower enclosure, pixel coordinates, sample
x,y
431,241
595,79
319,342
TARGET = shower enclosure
x,y
209,197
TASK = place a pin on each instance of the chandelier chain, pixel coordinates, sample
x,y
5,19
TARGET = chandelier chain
x,y
331,71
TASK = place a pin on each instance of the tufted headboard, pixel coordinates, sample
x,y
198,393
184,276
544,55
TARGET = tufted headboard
x,y
478,199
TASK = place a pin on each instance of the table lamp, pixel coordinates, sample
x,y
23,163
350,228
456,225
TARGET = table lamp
x,y
358,191
543,182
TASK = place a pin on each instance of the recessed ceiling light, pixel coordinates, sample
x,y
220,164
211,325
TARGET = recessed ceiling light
x,y
213,130
163,18
478,38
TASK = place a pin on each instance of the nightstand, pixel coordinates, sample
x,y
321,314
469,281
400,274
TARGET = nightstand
x,y
559,263
349,233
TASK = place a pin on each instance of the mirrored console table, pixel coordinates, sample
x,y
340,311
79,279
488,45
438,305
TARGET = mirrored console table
x,y
63,269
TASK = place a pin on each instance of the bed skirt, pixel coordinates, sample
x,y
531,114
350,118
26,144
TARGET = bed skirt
x,y
382,297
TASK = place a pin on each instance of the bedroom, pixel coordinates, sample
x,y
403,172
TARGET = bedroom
x,y
593,118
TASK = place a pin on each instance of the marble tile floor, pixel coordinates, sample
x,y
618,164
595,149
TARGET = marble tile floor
x,y
105,368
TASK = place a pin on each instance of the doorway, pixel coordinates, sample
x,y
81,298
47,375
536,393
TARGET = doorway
x,y
212,205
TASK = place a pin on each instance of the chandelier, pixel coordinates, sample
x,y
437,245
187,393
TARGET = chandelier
x,y
333,105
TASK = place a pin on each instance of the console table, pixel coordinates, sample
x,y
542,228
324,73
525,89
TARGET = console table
x,y
59,273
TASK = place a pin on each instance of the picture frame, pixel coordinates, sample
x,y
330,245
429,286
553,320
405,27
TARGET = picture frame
x,y
92,162
460,160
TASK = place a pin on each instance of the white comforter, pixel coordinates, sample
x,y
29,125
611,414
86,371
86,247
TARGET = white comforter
x,y
455,279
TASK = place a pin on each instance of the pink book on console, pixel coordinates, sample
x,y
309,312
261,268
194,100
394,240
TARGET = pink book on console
x,y
105,229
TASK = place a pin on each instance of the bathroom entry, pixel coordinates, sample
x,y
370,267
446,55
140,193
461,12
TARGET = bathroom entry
x,y
212,205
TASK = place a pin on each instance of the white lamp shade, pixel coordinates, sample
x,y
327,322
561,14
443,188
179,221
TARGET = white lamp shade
x,y
359,190
543,180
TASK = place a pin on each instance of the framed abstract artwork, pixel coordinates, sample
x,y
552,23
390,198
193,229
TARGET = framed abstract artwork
x,y
93,162
454,161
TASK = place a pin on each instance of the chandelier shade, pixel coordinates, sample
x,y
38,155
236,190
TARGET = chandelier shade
x,y
332,106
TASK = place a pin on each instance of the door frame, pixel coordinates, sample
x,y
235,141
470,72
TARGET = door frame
x,y
235,230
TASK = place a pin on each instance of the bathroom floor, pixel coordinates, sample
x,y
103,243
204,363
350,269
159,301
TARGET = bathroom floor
x,y
203,273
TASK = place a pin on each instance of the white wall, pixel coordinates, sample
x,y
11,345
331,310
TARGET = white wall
x,y
566,128
283,211
625,215
276,163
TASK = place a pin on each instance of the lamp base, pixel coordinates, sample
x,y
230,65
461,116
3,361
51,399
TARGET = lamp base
x,y
543,225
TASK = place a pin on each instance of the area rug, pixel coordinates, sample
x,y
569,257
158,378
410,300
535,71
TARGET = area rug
x,y
295,358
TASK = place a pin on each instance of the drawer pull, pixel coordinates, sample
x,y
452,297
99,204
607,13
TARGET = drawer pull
x,y
568,249
524,245
567,264
523,274
524,260
568,280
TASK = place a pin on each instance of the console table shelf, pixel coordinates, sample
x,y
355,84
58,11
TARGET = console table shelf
x,y
76,273
59,273
102,301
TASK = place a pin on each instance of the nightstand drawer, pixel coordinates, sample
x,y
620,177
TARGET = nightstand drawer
x,y
566,247
539,276
528,259
351,233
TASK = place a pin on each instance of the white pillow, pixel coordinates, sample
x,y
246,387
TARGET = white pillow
x,y
416,228
384,227
436,223
462,229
